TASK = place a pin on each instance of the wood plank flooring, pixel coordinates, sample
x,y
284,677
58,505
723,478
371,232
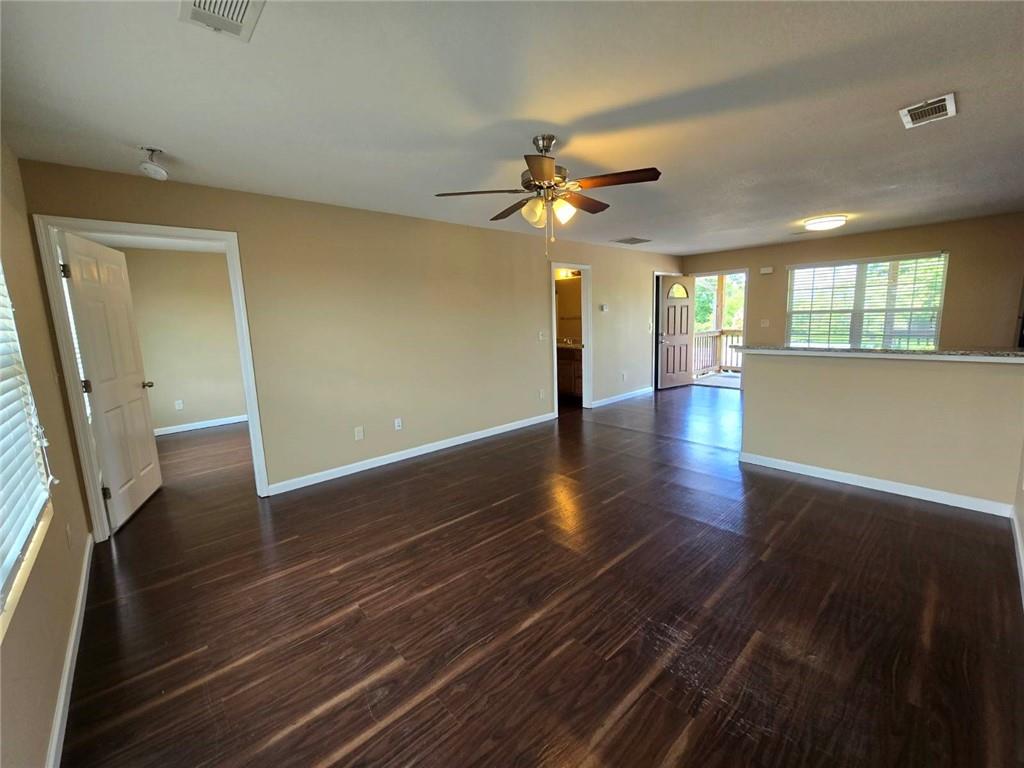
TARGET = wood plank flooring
x,y
609,590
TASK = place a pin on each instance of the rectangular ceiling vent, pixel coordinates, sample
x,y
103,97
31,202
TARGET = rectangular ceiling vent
x,y
928,111
235,18
632,240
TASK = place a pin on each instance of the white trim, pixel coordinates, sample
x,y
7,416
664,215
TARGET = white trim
x,y
623,396
67,678
390,458
200,425
586,310
989,506
939,356
140,235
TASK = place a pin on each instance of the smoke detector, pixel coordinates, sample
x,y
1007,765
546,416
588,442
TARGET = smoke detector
x,y
150,167
928,111
235,18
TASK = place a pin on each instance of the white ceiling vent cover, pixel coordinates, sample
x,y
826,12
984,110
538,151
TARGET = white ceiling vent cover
x,y
928,111
236,18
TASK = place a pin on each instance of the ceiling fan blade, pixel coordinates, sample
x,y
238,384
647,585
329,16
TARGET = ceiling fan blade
x,y
622,177
584,203
519,191
542,167
511,209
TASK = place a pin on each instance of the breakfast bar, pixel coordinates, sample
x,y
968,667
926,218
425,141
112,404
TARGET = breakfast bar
x,y
941,425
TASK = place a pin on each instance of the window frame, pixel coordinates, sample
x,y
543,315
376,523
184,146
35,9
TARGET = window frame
x,y
859,292
12,582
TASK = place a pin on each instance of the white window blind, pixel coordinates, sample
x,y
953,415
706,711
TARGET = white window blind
x,y
886,304
24,477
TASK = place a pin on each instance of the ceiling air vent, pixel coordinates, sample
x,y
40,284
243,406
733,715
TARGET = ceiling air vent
x,y
928,111
236,18
632,240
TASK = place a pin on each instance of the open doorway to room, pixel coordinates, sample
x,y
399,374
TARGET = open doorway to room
x,y
571,336
720,303
153,337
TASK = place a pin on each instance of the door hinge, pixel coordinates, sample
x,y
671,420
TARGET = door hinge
x,y
65,270
87,386
106,493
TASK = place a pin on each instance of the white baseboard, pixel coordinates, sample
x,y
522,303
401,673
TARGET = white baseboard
x,y
67,678
988,506
390,458
200,425
623,396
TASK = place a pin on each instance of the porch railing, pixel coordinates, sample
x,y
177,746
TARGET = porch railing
x,y
715,351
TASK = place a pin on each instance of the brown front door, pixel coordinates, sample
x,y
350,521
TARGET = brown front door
x,y
675,321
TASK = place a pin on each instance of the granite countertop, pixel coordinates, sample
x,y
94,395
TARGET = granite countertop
x,y
995,354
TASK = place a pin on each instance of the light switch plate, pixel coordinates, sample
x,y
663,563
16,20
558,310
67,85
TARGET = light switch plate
x,y
398,424
766,270
179,405
359,433
764,323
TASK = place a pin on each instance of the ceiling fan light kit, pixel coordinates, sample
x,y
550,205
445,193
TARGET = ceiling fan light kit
x,y
552,194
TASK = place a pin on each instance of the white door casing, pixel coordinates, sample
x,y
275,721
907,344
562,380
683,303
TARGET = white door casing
x,y
121,424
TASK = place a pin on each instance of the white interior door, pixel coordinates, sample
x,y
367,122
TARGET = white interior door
x,y
108,340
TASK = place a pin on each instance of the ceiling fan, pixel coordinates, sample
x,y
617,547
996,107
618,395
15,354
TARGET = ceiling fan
x,y
551,194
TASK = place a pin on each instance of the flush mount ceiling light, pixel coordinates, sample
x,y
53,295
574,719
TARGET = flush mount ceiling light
x,y
150,167
821,223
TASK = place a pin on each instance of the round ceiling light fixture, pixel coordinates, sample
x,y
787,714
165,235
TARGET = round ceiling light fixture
x,y
150,167
821,223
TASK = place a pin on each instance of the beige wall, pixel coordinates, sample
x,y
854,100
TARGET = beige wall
x,y
952,426
338,341
186,322
569,303
36,640
983,284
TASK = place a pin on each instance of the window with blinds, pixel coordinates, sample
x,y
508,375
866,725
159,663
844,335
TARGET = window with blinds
x,y
888,304
24,477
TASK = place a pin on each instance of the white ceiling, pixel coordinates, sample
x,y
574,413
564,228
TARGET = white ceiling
x,y
757,114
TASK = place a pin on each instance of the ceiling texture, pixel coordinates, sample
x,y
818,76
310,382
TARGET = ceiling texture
x,y
758,115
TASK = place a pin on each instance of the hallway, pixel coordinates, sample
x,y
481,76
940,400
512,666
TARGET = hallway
x,y
612,588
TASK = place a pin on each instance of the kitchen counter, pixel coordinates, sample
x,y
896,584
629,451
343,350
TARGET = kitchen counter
x,y
990,355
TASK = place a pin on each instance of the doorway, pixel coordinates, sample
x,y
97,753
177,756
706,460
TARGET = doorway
x,y
720,302
570,335
105,372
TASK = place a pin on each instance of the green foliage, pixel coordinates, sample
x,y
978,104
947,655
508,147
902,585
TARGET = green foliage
x,y
732,309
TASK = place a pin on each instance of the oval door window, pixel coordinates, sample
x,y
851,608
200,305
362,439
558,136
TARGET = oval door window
x,y
678,291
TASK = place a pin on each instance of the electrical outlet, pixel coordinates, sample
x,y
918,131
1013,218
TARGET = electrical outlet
x,y
540,393
179,405
541,335
398,424
359,433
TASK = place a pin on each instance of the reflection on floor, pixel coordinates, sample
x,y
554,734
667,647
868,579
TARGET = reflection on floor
x,y
725,379
608,589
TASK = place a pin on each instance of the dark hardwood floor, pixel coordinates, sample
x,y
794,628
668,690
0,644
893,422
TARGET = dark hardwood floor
x,y
609,590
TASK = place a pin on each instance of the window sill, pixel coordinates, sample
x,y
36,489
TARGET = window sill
x,y
25,567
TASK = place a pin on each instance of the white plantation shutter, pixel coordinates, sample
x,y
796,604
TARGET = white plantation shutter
x,y
24,478
885,304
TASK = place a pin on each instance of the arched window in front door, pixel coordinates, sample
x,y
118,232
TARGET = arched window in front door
x,y
678,291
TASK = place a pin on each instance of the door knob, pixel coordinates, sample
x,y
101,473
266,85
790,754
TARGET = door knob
x,y
147,384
